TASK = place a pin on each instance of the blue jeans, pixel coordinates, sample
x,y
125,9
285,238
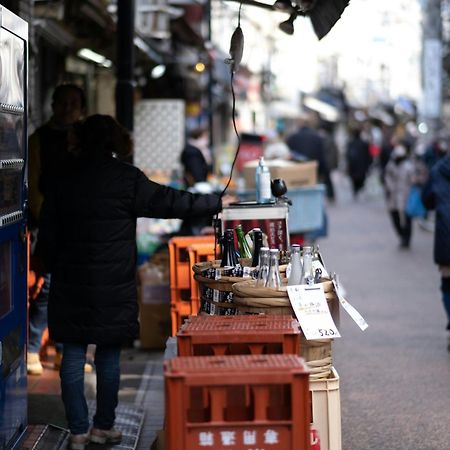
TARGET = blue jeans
x,y
107,364
37,318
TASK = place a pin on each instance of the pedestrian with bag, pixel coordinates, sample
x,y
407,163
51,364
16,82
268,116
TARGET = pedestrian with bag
x,y
87,239
399,178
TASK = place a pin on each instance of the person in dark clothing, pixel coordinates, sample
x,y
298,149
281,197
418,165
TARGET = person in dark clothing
x,y
386,149
87,239
358,160
197,166
436,195
196,157
47,154
307,142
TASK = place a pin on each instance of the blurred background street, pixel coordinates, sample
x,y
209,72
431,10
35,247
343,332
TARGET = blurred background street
x,y
394,375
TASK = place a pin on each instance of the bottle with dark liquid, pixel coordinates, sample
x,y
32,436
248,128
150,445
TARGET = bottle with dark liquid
x,y
229,257
257,244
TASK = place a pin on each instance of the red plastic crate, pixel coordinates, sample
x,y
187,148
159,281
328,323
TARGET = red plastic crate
x,y
237,402
238,335
180,276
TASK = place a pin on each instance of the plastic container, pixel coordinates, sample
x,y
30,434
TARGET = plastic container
x,y
180,276
307,210
326,410
237,402
222,335
198,253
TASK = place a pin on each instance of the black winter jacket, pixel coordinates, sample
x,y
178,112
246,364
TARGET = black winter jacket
x,y
436,194
87,237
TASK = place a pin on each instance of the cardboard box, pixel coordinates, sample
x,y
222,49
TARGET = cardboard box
x,y
154,303
293,173
160,441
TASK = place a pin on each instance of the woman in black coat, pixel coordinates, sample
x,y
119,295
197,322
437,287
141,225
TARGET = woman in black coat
x,y
88,241
358,161
436,195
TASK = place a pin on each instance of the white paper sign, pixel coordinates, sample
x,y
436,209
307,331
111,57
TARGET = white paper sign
x,y
316,264
311,308
352,312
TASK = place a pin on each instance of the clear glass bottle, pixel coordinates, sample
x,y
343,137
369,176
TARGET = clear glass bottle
x,y
262,179
307,269
257,245
244,248
229,257
263,264
274,279
295,274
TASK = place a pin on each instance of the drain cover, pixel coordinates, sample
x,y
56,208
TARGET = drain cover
x,y
129,420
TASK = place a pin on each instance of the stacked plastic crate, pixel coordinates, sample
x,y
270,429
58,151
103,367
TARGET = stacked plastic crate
x,y
253,393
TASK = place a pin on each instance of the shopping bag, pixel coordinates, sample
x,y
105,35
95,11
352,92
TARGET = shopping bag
x,y
414,205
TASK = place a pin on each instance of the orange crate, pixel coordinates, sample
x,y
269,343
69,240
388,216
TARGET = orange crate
x,y
237,335
180,271
198,252
180,276
237,402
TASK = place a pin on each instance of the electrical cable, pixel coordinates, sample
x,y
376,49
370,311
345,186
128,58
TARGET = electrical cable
x,y
238,147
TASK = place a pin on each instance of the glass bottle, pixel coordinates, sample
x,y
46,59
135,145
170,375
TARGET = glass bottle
x,y
262,179
273,279
244,248
257,245
296,266
263,263
229,257
307,270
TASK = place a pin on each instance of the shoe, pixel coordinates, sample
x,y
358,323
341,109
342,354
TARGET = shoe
x,y
111,436
34,366
58,359
79,441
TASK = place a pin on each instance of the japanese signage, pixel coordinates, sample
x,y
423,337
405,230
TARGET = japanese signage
x,y
251,438
311,308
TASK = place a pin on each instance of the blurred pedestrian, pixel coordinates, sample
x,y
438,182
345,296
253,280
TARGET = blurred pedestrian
x,y
87,239
196,157
47,154
307,143
275,147
436,195
358,160
399,178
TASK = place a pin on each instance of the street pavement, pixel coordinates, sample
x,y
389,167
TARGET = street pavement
x,y
395,376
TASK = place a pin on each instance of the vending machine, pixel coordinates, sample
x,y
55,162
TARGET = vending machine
x,y
13,244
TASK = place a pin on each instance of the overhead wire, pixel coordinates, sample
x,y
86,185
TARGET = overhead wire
x,y
238,147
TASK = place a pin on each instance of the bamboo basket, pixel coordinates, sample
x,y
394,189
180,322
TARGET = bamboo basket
x,y
213,292
248,299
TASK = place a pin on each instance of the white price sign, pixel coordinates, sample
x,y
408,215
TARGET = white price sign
x,y
310,306
352,312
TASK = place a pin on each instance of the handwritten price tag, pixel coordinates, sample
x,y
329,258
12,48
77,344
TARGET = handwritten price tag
x,y
311,308
352,312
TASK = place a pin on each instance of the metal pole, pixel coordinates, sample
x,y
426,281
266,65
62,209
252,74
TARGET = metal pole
x,y
125,63
208,7
432,67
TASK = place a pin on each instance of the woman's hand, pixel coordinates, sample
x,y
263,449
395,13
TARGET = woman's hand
x,y
228,199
